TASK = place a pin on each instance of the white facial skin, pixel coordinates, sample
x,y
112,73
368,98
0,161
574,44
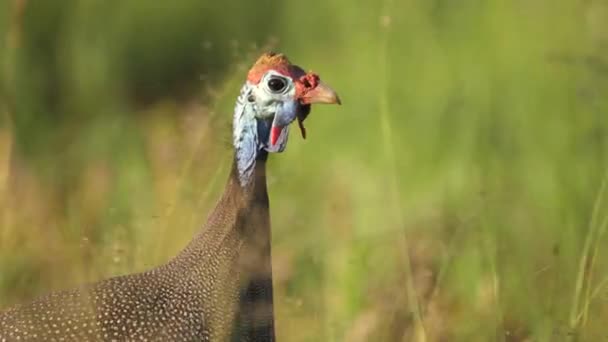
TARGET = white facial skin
x,y
275,99
273,90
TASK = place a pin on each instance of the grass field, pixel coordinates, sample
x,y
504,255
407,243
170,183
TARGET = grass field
x,y
458,194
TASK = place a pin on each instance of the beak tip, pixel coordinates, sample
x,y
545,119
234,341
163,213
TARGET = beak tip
x,y
322,94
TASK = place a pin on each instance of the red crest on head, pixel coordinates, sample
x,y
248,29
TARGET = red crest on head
x,y
278,62
269,61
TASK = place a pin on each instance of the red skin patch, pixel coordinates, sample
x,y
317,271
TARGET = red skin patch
x,y
275,132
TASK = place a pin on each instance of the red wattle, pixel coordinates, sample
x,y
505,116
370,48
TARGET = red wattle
x,y
275,132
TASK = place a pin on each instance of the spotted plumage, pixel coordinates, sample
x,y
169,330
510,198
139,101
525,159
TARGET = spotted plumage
x,y
219,288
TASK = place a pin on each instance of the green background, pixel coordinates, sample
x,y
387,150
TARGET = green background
x,y
456,195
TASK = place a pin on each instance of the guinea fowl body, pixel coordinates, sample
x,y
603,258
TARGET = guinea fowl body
x,y
218,288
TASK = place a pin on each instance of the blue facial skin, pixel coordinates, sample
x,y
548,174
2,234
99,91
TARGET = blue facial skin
x,y
286,113
264,129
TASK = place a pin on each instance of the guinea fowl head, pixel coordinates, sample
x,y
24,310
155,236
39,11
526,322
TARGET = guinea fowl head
x,y
275,94
284,92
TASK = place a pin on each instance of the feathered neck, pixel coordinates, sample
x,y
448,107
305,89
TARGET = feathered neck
x,y
246,142
256,181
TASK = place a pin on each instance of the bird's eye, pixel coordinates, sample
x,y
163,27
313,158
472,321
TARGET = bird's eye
x,y
276,84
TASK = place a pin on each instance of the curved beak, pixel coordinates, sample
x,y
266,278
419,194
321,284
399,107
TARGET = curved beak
x,y
321,94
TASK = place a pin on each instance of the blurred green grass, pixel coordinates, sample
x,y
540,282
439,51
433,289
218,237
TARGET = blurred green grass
x,y
455,186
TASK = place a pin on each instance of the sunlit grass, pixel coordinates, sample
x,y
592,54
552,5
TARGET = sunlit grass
x,y
583,293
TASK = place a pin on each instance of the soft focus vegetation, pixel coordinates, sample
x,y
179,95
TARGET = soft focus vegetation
x,y
459,194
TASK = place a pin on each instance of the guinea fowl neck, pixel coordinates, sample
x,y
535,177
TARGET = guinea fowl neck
x,y
232,251
240,213
254,319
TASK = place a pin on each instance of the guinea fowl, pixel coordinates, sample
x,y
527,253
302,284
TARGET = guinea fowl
x,y
219,287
